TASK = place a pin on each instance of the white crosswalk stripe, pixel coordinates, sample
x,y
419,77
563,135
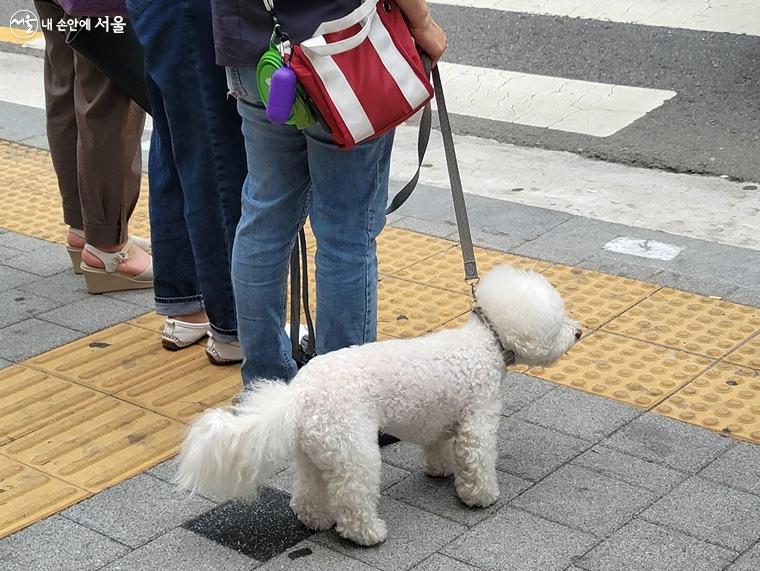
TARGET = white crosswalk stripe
x,y
584,107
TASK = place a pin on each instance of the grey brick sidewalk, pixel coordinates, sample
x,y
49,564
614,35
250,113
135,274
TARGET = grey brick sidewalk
x,y
586,484
45,305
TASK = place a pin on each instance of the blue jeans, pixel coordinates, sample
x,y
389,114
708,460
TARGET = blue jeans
x,y
292,174
196,165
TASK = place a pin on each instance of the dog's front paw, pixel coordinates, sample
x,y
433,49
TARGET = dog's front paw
x,y
364,533
437,461
437,469
478,496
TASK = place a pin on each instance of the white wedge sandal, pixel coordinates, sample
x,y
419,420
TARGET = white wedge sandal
x,y
75,253
109,278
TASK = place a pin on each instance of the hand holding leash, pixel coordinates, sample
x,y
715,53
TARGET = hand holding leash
x,y
426,32
431,38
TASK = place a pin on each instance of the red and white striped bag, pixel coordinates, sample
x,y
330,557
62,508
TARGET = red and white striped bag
x,y
363,72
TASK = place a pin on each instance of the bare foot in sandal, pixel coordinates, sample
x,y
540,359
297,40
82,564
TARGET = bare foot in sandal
x,y
116,269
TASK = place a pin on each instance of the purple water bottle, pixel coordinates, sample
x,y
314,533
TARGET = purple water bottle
x,y
282,95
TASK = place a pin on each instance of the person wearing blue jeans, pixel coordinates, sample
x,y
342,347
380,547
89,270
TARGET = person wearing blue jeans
x,y
293,174
196,170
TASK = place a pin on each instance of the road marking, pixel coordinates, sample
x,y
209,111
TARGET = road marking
x,y
643,248
733,16
21,79
695,206
36,41
586,107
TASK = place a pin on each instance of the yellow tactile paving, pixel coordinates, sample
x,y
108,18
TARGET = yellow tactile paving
x,y
409,310
624,369
397,248
747,355
111,360
30,400
184,387
689,322
97,411
31,203
594,298
445,270
28,495
150,321
724,398
104,444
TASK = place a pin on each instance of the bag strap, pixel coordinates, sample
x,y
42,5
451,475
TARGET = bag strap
x,y
457,193
366,8
319,47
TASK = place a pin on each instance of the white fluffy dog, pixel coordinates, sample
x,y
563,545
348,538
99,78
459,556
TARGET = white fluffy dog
x,y
440,391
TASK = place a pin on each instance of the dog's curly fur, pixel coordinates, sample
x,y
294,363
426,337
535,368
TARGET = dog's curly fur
x,y
440,391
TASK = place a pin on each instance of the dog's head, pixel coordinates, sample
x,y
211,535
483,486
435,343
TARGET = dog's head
x,y
528,314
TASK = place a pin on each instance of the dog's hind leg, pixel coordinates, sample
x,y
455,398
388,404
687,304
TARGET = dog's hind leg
x,y
309,501
353,484
475,459
438,461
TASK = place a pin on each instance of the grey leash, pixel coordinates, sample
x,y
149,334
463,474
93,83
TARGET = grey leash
x,y
457,194
299,288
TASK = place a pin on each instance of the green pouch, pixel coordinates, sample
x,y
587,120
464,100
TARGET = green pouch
x,y
302,115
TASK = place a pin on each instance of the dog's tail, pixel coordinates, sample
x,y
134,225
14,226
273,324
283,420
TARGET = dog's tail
x,y
230,454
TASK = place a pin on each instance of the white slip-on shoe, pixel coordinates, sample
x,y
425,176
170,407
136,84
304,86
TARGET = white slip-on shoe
x,y
180,334
223,352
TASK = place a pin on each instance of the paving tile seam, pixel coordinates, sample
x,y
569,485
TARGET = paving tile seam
x,y
656,403
640,412
742,554
730,486
446,517
455,558
450,247
722,432
690,535
656,497
630,307
599,538
747,341
71,327
100,533
637,339
551,228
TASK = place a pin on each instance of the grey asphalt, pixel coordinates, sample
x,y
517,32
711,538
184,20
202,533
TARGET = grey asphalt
x,y
711,127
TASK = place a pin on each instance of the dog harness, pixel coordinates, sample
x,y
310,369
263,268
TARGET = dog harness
x,y
506,354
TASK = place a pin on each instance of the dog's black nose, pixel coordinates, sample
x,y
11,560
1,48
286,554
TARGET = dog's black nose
x,y
578,334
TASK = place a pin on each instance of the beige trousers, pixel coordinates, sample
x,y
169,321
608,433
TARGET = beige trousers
x,y
94,132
